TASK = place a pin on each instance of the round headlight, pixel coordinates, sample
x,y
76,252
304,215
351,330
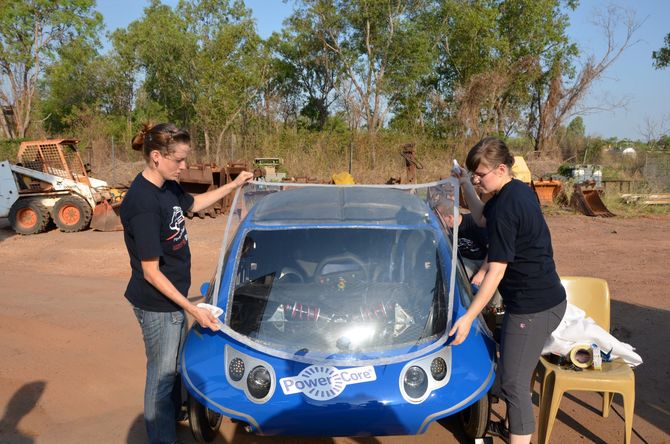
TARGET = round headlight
x,y
236,369
259,382
438,368
415,382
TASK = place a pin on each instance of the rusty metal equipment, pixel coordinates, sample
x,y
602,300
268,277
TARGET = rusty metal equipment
x,y
50,182
200,178
106,217
411,163
549,191
586,199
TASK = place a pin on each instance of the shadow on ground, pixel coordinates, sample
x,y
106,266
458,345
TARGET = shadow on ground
x,y
24,400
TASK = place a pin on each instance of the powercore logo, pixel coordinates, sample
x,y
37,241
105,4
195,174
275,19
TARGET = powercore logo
x,y
322,382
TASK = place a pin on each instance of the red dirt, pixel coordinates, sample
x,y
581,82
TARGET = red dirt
x,y
73,362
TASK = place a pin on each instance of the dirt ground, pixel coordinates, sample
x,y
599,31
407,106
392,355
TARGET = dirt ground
x,y
72,360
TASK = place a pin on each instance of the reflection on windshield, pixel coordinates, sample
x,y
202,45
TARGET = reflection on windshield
x,y
339,290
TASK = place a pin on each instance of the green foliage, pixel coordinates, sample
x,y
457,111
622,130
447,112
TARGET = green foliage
x,y
662,56
576,127
443,72
74,80
32,32
9,148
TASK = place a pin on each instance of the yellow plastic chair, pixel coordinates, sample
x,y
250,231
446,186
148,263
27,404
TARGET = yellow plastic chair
x,y
591,295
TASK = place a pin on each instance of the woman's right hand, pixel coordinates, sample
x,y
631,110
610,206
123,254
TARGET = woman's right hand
x,y
205,318
461,329
460,173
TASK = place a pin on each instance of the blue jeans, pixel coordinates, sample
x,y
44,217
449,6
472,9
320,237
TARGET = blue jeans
x,y
163,334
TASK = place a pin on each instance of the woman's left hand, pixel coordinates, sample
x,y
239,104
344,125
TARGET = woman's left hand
x,y
461,329
242,178
478,278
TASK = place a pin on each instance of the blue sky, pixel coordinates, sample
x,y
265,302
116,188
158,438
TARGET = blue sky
x,y
631,79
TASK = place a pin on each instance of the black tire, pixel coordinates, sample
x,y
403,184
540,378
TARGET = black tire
x,y
71,214
475,418
28,216
204,422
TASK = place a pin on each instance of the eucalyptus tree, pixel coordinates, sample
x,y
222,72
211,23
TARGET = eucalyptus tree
x,y
560,85
71,82
31,33
492,54
230,65
305,69
376,43
158,51
201,62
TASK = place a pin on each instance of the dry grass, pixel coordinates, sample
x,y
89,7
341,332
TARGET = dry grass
x,y
319,156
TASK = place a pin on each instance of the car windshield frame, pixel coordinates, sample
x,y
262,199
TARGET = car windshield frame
x,y
348,216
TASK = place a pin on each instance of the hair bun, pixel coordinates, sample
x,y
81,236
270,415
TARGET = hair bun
x,y
138,141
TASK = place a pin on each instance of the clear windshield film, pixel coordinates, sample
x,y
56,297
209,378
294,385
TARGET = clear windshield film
x,y
362,274
339,290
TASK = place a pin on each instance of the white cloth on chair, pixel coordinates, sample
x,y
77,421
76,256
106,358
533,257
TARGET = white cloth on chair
x,y
577,328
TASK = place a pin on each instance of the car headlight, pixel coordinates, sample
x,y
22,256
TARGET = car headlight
x,y
415,382
438,368
259,382
236,369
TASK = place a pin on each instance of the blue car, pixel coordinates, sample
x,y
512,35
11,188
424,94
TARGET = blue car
x,y
337,302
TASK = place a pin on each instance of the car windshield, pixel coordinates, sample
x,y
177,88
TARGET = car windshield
x,y
339,290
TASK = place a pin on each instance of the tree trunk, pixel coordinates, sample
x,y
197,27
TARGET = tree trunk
x,y
207,146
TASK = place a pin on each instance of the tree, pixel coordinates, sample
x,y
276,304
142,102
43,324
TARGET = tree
x,y
662,56
204,67
572,139
72,81
31,33
556,95
230,66
165,59
378,46
305,68
492,52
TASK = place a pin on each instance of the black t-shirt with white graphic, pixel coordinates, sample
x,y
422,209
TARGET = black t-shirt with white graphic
x,y
154,226
472,239
519,236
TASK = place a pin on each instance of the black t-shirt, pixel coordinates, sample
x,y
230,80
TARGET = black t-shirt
x,y
518,235
154,226
472,239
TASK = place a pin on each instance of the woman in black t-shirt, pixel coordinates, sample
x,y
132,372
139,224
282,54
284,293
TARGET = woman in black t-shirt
x,y
521,265
152,213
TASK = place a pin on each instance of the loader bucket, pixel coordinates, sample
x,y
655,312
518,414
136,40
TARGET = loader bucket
x,y
549,191
587,201
106,217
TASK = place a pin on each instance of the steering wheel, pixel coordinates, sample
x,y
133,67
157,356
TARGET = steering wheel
x,y
291,276
345,266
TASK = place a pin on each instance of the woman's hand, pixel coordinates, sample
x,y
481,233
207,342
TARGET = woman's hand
x,y
461,329
460,173
242,178
205,318
478,277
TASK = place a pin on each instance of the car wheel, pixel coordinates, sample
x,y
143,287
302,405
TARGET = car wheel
x,y
204,422
71,214
475,418
28,216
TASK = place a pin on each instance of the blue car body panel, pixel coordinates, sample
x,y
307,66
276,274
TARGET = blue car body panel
x,y
326,389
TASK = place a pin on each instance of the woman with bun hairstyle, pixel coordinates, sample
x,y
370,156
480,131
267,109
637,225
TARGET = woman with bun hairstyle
x,y
521,265
152,213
